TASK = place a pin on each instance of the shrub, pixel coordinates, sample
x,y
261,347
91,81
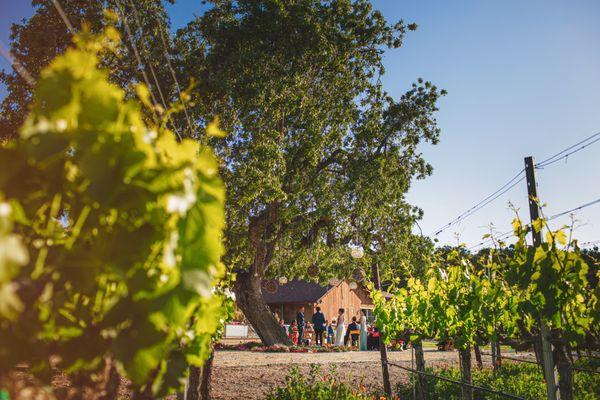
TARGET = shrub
x,y
316,386
524,380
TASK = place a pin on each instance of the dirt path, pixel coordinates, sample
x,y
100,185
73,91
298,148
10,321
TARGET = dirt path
x,y
250,375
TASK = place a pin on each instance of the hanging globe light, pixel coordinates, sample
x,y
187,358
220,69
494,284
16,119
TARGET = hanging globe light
x,y
357,252
334,281
283,280
353,285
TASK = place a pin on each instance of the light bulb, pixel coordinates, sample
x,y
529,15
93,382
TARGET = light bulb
x,y
283,280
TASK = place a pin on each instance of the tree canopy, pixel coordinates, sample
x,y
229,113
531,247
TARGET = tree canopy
x,y
319,155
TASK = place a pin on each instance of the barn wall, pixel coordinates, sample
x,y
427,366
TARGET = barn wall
x,y
339,297
343,297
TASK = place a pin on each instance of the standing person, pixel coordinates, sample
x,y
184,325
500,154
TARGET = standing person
x,y
300,323
308,334
293,332
363,331
340,328
330,332
318,320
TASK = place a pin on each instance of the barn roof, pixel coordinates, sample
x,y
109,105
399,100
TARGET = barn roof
x,y
296,291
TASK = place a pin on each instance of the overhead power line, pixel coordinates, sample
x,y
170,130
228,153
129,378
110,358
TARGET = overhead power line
x,y
507,234
591,243
136,18
487,200
63,16
177,86
17,66
561,155
564,154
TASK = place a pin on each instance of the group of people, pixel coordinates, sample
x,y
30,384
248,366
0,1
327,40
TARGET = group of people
x,y
321,331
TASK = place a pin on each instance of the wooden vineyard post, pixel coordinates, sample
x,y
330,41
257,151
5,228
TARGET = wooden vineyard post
x,y
534,211
387,387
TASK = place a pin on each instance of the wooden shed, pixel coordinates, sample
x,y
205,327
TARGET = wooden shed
x,y
288,298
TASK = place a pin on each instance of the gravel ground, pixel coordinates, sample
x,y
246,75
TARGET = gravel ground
x,y
243,375
250,375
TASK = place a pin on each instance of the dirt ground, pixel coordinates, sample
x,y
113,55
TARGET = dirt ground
x,y
251,375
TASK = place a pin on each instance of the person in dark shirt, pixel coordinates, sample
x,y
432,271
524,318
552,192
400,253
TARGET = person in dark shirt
x,y
318,320
300,322
354,326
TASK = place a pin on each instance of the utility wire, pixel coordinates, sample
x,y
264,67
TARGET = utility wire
x,y
179,92
563,154
589,244
63,16
487,200
139,60
135,51
17,66
591,203
139,28
553,217
529,361
460,383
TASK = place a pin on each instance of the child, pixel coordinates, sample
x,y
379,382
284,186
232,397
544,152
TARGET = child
x,y
308,333
293,332
329,332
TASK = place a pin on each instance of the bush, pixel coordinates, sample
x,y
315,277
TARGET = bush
x,y
316,386
524,380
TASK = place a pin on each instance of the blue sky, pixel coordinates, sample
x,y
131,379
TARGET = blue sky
x,y
523,79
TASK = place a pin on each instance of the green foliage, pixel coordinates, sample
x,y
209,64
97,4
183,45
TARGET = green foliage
x,y
315,385
318,150
36,41
524,380
454,300
551,282
502,295
113,231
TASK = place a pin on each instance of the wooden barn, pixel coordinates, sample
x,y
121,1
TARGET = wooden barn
x,y
297,293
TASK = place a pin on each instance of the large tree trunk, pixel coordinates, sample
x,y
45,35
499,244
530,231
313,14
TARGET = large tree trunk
x,y
465,367
249,299
421,379
565,372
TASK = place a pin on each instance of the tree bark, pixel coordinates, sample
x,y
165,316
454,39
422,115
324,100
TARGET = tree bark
x,y
565,372
478,356
465,367
422,393
250,300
